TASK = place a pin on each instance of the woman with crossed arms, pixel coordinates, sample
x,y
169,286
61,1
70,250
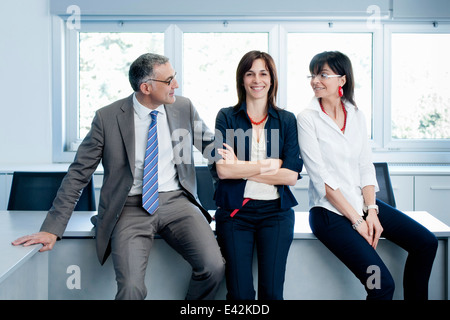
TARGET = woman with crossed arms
x,y
261,158
345,214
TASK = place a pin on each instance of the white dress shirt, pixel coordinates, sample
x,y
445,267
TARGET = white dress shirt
x,y
167,174
258,190
341,160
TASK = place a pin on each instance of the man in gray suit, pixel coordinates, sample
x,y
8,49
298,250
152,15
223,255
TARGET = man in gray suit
x,y
124,229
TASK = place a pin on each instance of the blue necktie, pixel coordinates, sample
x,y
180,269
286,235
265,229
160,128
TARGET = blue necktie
x,y
150,201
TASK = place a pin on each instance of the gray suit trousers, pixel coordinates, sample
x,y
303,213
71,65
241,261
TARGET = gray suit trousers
x,y
181,224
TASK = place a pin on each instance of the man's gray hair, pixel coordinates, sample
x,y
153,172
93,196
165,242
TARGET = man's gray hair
x,y
142,68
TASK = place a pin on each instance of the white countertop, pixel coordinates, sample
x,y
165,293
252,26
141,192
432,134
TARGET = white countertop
x,y
39,167
14,224
11,228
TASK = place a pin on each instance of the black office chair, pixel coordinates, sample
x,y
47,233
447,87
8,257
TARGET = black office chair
x,y
386,193
205,187
36,191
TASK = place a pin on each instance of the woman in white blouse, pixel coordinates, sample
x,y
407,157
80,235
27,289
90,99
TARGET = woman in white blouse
x,y
344,213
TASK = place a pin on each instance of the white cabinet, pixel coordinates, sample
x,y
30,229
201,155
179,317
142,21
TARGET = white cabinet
x,y
403,187
432,194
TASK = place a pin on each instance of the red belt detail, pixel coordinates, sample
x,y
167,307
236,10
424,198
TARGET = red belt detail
x,y
236,210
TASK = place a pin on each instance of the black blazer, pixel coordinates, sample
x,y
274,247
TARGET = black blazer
x,y
282,143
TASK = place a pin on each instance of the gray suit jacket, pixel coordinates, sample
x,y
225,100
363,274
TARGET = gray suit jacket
x,y
112,141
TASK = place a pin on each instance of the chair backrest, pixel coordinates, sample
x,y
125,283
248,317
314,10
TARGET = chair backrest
x,y
205,187
386,193
36,191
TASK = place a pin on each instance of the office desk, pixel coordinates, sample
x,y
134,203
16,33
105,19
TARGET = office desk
x,y
71,270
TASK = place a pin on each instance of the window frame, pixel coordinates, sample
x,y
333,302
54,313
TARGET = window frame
x,y
350,27
271,29
226,26
65,84
434,151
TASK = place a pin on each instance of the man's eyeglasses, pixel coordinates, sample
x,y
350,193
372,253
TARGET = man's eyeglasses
x,y
168,82
323,76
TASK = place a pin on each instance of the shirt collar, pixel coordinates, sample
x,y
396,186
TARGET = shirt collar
x,y
142,111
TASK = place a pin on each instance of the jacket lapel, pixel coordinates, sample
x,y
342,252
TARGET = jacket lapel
x,y
126,127
173,119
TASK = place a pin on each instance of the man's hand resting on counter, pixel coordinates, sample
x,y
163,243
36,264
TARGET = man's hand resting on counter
x,y
48,240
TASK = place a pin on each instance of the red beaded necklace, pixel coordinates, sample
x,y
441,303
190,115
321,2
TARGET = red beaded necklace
x,y
343,109
259,122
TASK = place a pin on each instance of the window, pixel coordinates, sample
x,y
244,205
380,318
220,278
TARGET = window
x,y
416,95
420,97
302,47
210,62
104,60
401,74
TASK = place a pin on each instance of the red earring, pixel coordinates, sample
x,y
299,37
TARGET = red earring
x,y
341,91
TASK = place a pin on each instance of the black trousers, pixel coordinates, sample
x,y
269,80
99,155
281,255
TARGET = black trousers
x,y
354,251
259,223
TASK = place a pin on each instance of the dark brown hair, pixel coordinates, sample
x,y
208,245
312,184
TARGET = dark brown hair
x,y
340,64
245,64
142,68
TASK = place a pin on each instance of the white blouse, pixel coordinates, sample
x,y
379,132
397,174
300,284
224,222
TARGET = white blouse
x,y
258,190
341,160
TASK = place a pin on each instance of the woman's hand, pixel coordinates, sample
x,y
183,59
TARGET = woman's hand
x,y
229,167
363,230
227,153
371,229
374,227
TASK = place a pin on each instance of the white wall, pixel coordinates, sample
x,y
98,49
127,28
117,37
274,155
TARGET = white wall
x,y
25,66
233,8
